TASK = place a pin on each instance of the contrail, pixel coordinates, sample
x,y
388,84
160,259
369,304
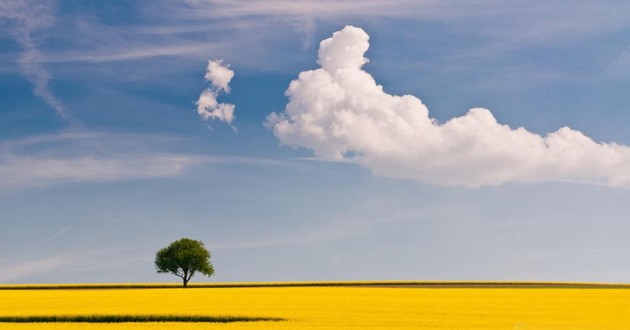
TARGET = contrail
x,y
38,244
63,231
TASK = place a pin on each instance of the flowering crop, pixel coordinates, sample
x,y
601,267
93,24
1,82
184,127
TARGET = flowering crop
x,y
323,307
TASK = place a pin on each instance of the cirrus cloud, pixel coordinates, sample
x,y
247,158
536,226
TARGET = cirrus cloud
x,y
26,18
340,113
82,157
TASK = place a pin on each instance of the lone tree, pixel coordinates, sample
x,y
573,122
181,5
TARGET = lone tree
x,y
184,258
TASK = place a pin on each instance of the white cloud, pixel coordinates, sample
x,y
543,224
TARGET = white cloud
x,y
29,268
71,262
142,52
219,75
318,8
209,109
37,170
521,23
88,157
28,17
340,113
93,157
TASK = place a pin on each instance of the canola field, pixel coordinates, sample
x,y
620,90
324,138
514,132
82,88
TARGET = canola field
x,y
323,307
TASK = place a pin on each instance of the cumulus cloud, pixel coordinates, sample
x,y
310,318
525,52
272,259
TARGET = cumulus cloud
x,y
340,113
219,75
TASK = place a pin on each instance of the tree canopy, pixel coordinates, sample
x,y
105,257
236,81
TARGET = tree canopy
x,y
184,258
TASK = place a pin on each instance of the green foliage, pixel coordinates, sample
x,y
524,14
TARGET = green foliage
x,y
184,258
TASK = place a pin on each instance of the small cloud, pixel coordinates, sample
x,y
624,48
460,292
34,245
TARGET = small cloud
x,y
340,113
219,75
209,109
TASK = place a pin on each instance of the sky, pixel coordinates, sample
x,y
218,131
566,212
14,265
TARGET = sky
x,y
315,140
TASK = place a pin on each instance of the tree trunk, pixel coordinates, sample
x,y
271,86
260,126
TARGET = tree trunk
x,y
185,283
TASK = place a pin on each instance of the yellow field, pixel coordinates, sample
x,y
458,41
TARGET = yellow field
x,y
333,307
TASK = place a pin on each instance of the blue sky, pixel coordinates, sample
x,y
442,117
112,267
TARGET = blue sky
x,y
104,158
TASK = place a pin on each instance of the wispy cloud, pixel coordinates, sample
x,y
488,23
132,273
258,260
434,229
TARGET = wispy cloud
x,y
502,27
126,54
479,30
45,170
87,157
524,22
257,8
24,269
82,157
70,262
221,28
26,18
